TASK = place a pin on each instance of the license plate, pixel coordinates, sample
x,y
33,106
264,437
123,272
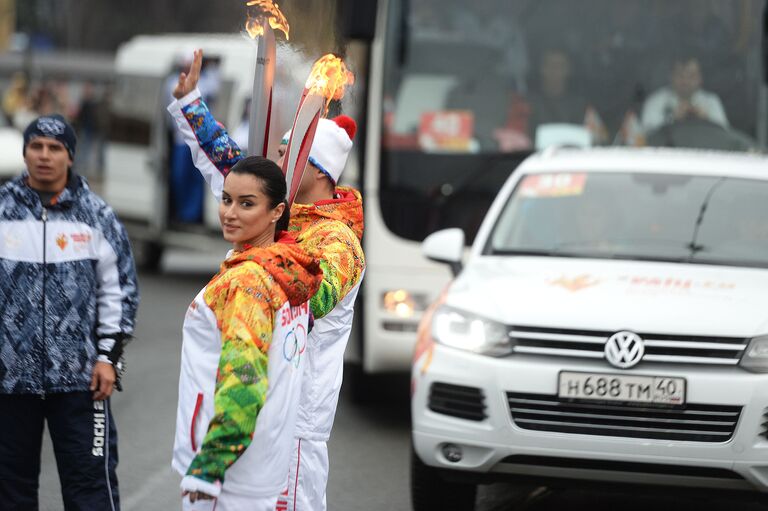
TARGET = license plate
x,y
657,390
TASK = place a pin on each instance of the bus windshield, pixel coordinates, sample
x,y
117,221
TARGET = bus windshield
x,y
470,88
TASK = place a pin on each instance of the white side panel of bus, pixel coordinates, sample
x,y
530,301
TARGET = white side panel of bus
x,y
393,263
129,185
211,211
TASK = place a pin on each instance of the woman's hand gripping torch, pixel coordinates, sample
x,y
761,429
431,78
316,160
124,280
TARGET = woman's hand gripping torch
x,y
261,27
327,82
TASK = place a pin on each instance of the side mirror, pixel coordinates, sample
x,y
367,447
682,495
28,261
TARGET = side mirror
x,y
446,246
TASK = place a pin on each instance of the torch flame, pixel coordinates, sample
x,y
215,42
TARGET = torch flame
x,y
269,11
328,78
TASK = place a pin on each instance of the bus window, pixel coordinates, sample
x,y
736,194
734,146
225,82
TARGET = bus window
x,y
470,88
131,113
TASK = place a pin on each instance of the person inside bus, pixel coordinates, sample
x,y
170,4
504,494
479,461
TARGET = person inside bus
x,y
555,101
683,99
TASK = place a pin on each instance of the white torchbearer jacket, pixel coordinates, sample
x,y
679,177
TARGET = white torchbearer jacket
x,y
331,228
242,362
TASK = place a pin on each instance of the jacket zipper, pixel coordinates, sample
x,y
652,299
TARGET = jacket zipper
x,y
45,273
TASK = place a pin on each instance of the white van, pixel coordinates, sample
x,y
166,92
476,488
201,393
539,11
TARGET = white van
x,y
137,156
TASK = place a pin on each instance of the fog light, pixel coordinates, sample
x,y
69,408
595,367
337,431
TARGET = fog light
x,y
755,357
452,453
402,303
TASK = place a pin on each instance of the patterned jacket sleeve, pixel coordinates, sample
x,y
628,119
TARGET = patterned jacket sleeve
x,y
246,320
214,152
342,261
117,294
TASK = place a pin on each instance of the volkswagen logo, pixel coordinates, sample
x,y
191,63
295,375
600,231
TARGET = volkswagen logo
x,y
624,349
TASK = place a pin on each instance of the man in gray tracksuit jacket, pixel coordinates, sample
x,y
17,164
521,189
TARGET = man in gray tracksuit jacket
x,y
68,299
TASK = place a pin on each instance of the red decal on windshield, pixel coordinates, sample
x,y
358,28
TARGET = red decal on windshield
x,y
553,185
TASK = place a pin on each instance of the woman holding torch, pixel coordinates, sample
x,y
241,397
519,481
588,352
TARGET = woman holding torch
x,y
243,352
326,218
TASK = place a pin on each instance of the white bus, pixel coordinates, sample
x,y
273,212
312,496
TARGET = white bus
x,y
459,92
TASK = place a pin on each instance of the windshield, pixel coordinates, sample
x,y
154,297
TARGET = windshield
x,y
661,217
501,75
465,82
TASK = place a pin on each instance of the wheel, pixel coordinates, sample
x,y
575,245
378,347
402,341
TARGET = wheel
x,y
148,255
361,385
392,388
429,491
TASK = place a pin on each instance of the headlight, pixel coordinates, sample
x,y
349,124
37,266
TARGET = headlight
x,y
402,303
756,355
469,332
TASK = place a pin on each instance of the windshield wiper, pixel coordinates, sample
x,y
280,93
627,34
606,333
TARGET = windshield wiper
x,y
636,257
693,246
535,252
746,263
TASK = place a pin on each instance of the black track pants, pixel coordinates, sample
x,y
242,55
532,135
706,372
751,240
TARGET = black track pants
x,y
84,440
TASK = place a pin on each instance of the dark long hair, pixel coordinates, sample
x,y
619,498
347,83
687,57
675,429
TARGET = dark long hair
x,y
272,184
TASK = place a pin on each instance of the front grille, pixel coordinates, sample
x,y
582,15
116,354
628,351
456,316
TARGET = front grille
x,y
622,466
457,401
693,422
399,326
676,349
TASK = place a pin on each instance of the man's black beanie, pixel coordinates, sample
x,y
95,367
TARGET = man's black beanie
x,y
52,126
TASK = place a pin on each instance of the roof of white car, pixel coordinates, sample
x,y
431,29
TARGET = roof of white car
x,y
651,160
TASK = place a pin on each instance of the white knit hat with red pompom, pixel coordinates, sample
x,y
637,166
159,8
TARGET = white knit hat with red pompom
x,y
331,146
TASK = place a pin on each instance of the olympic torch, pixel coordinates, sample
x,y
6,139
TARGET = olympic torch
x,y
327,81
261,98
261,28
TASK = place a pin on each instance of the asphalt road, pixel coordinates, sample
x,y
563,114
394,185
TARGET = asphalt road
x,y
368,451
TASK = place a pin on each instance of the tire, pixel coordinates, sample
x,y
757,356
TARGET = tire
x,y
148,255
361,385
429,491
366,389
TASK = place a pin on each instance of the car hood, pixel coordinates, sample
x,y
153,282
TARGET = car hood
x,y
684,299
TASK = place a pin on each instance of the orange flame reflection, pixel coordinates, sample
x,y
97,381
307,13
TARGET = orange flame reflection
x,y
269,10
328,78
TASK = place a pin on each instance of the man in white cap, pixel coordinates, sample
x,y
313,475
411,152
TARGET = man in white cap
x,y
326,217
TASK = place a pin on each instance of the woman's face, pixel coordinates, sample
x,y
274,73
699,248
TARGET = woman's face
x,y
245,213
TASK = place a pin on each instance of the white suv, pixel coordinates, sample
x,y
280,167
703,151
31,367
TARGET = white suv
x,y
609,324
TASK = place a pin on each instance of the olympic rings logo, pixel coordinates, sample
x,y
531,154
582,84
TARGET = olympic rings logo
x,y
295,344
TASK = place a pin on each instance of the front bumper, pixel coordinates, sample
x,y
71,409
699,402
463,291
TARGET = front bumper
x,y
496,446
